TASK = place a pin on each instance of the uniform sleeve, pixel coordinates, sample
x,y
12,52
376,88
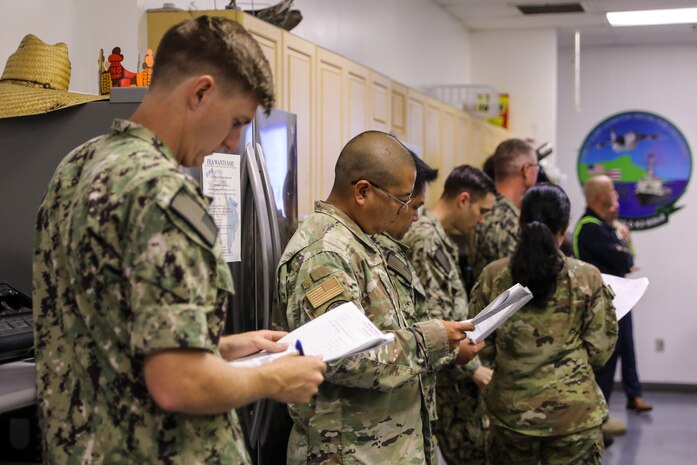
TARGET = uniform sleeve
x,y
602,250
382,369
439,302
173,282
599,333
479,299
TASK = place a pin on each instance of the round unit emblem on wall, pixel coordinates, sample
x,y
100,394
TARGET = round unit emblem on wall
x,y
648,159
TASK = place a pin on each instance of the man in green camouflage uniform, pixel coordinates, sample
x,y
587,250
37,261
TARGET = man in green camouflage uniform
x,y
468,194
551,395
515,171
370,409
412,297
129,282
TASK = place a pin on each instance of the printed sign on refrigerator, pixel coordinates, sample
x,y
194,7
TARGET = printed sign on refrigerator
x,y
221,180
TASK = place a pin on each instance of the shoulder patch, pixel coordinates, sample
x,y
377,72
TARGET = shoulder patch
x,y
324,292
397,265
196,216
443,260
320,272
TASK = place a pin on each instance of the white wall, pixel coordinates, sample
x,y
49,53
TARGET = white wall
x,y
523,64
659,79
412,41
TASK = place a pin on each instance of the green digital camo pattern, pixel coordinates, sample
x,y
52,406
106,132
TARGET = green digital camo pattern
x,y
369,408
119,275
512,448
412,299
543,382
497,237
459,429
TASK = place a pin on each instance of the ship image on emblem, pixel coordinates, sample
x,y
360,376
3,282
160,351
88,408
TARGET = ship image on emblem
x,y
650,190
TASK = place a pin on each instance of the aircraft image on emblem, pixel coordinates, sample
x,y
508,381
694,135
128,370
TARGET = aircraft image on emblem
x,y
625,142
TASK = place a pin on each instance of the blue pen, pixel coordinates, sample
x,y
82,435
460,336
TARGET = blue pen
x,y
299,347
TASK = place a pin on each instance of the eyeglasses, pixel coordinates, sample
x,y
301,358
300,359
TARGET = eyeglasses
x,y
402,203
536,166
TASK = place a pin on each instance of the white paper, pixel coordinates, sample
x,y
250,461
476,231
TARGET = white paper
x,y
498,311
338,333
627,292
221,181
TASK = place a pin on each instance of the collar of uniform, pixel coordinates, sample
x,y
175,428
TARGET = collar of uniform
x,y
450,245
590,212
129,128
343,218
503,201
398,244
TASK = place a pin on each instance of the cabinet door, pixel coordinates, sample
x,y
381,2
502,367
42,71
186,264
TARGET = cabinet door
x,y
379,102
330,112
270,39
463,153
398,113
416,119
357,82
433,154
160,21
298,87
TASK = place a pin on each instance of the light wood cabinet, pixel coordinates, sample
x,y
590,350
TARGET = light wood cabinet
x,y
379,102
330,116
416,121
160,21
269,38
398,106
298,82
357,99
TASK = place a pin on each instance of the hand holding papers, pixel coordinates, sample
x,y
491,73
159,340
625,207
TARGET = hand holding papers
x,y
627,292
498,311
339,333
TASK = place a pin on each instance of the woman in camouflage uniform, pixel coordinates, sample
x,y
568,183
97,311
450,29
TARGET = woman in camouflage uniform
x,y
543,401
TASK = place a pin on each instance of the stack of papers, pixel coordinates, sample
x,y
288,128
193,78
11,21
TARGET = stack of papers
x,y
498,311
338,333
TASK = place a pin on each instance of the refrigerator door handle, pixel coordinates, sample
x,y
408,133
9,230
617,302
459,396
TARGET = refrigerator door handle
x,y
266,267
271,208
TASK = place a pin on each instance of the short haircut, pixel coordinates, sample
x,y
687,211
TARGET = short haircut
x,y
424,174
466,178
375,156
219,47
509,158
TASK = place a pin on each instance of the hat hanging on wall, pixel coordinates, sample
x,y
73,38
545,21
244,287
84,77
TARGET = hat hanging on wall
x,y
36,80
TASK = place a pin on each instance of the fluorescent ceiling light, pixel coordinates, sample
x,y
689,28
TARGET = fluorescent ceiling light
x,y
652,17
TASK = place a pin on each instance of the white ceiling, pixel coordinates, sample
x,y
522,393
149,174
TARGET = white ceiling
x,y
595,30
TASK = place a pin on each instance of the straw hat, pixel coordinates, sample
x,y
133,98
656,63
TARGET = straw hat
x,y
36,80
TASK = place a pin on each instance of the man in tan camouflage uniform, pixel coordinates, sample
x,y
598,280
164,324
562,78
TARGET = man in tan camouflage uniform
x,y
515,171
468,194
129,282
370,408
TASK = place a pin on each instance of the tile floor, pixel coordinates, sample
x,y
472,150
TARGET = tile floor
x,y
665,436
